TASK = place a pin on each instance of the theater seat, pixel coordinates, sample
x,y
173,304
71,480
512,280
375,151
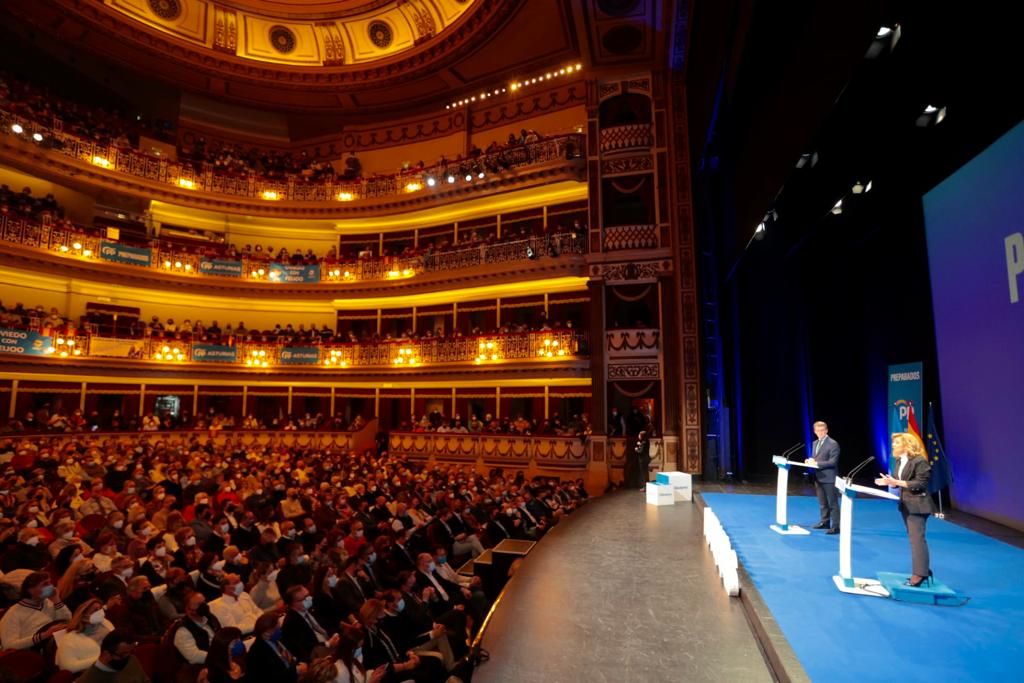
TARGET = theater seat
x,y
91,523
61,676
148,654
22,665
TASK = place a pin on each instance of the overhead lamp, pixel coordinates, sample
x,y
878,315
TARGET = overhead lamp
x,y
860,187
931,116
16,127
885,41
838,208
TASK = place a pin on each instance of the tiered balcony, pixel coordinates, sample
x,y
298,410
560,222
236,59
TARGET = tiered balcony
x,y
46,150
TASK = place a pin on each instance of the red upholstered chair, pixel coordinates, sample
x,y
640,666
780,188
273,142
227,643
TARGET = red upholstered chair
x,y
91,523
23,665
61,676
148,655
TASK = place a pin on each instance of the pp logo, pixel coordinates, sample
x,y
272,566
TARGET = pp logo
x,y
199,353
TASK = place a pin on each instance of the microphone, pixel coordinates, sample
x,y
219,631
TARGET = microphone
x,y
795,448
858,468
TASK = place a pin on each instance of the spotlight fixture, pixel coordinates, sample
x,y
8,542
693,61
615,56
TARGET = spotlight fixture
x,y
345,196
809,160
860,187
270,195
838,208
187,183
885,41
101,161
760,230
480,175
931,116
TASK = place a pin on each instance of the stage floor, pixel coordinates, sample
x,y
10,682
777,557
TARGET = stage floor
x,y
840,637
620,592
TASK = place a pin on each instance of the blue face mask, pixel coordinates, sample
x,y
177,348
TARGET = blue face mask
x,y
276,635
47,592
237,648
441,559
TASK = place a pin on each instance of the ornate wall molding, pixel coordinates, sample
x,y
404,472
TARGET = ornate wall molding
x,y
634,271
619,370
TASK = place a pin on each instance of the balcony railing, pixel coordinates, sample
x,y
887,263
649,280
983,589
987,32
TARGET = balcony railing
x,y
200,177
82,245
559,345
544,452
621,237
629,137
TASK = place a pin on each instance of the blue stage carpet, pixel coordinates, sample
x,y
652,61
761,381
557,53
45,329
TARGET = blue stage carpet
x,y
842,637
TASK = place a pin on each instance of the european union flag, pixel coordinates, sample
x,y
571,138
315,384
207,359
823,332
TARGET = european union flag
x,y
942,475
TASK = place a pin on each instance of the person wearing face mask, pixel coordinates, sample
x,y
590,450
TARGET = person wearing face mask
x,y
445,594
64,532
156,555
297,571
269,660
246,535
263,586
106,543
379,650
76,584
219,537
139,612
116,663
27,553
352,590
355,538
98,503
226,659
79,647
202,523
184,556
34,619
310,536
172,602
301,630
235,607
195,632
237,562
211,573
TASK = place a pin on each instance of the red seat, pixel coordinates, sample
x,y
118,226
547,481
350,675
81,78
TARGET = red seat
x,y
148,654
23,665
91,523
61,676
20,463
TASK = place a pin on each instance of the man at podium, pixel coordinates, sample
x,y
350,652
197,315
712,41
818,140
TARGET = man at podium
x,y
825,453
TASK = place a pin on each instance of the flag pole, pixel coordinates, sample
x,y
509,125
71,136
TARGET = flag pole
x,y
940,514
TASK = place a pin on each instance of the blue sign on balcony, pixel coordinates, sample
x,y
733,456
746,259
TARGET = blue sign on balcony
x,y
122,253
300,355
24,342
282,272
214,353
221,267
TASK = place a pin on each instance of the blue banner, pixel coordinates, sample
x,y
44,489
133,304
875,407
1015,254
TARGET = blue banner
x,y
282,272
300,355
24,342
214,353
121,253
223,268
906,388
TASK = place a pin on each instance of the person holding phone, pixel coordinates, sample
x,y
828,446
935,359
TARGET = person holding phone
x,y
916,505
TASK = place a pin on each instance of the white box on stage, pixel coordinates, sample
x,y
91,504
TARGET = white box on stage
x,y
681,482
659,494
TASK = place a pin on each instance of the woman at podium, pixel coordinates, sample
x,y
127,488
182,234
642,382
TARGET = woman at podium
x,y
916,505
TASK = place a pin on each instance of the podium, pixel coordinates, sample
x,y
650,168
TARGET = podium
x,y
844,580
781,526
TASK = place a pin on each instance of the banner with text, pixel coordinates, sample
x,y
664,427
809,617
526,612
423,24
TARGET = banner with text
x,y
113,348
300,355
221,267
214,353
906,391
24,342
122,253
282,272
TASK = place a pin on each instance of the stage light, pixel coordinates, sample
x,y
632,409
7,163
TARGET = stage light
x,y
809,160
345,196
931,116
38,137
77,246
838,208
760,230
860,188
885,41
413,187
16,127
87,252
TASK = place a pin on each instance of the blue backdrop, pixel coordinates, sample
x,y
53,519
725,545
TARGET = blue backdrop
x,y
974,221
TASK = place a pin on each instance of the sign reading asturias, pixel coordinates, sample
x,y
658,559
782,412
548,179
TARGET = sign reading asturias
x,y
300,355
221,267
214,353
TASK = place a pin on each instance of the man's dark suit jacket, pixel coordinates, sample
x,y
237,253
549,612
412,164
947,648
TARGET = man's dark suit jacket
x,y
440,605
298,636
827,458
263,664
915,497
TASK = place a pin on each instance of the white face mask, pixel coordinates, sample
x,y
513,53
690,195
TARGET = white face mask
x,y
272,576
358,654
217,566
118,524
97,617
332,581
126,573
191,541
307,602
68,535
431,567
160,552
224,528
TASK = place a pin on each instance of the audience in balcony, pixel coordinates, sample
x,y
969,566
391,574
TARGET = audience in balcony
x,y
24,204
280,557
435,421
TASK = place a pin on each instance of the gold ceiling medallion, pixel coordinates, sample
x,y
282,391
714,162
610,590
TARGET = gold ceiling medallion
x,y
282,38
168,10
381,34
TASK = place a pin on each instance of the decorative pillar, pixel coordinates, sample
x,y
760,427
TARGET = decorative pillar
x,y
12,410
81,399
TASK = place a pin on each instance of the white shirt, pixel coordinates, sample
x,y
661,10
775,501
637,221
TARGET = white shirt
x,y
186,644
77,651
903,463
241,612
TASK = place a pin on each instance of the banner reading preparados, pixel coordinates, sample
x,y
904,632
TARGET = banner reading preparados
x,y
121,253
24,342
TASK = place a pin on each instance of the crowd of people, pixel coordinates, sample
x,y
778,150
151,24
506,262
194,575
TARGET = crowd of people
x,y
224,562
24,204
519,425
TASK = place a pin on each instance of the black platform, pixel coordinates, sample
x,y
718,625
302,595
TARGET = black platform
x,y
620,591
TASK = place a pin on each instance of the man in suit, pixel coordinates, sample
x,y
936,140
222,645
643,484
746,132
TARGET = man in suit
x,y
825,454
301,632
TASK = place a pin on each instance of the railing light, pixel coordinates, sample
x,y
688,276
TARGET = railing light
x,y
38,137
87,252
167,264
64,248
16,127
413,187
270,195
177,264
101,161
188,266
187,183
77,246
346,196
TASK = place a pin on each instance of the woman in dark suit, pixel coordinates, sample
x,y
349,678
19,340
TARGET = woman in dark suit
x,y
916,505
